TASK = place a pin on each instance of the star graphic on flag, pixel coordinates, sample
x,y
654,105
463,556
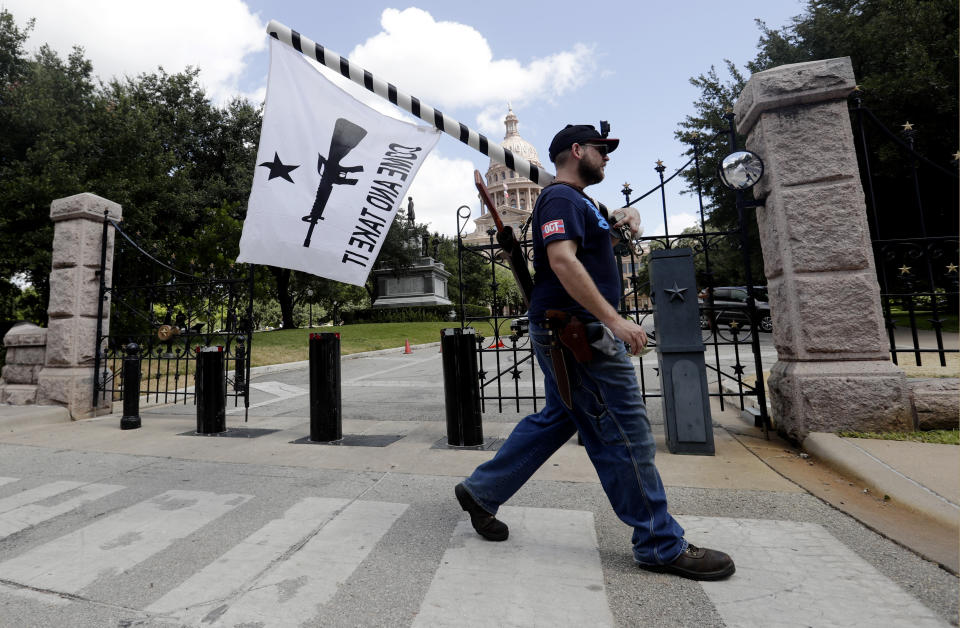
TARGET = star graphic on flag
x,y
279,169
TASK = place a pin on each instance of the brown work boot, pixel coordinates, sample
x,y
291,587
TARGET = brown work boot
x,y
698,563
486,525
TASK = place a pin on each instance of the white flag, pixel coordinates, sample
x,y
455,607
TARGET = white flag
x,y
331,173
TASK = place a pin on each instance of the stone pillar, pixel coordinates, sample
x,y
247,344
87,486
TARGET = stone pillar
x,y
833,370
25,344
67,376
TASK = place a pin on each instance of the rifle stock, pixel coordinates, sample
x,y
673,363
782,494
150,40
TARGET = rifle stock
x,y
510,249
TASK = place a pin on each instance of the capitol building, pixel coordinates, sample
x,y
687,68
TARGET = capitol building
x,y
513,195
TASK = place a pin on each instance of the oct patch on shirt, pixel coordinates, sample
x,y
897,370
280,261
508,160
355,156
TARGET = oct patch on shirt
x,y
554,227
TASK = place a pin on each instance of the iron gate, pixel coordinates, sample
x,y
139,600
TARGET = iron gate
x,y
163,316
732,333
912,211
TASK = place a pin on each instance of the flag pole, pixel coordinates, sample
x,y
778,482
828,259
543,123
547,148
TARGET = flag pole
x,y
408,103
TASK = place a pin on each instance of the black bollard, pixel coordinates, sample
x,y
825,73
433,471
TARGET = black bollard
x,y
325,387
211,389
131,388
461,387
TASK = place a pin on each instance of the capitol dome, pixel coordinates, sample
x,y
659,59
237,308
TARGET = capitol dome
x,y
513,195
516,144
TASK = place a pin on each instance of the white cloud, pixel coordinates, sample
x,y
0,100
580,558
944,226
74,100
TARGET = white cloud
x,y
447,64
127,37
441,187
678,222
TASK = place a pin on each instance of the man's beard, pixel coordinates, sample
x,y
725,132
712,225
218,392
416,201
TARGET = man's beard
x,y
589,174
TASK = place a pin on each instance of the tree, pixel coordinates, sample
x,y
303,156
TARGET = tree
x,y
904,54
180,167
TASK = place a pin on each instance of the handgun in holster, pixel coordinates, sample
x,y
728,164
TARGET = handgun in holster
x,y
567,331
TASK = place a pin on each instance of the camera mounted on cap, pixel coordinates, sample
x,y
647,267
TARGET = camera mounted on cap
x,y
604,128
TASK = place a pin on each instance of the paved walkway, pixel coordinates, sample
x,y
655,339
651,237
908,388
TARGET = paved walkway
x,y
158,527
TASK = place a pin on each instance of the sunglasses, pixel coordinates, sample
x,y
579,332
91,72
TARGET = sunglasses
x,y
603,149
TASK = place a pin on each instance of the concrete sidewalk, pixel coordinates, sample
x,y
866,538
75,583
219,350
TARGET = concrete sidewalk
x,y
754,498
925,477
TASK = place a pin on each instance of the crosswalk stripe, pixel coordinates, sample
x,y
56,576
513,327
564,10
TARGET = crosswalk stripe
x,y
242,564
279,389
118,542
798,574
292,592
16,519
547,574
32,495
281,392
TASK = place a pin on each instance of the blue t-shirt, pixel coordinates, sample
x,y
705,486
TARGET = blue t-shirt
x,y
562,213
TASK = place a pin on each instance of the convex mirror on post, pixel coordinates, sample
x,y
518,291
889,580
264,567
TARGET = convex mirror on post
x,y
740,170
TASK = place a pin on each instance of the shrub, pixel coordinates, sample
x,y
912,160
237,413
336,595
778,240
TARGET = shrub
x,y
410,314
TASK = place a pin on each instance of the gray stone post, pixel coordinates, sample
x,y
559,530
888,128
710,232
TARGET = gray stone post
x,y
26,347
67,375
833,370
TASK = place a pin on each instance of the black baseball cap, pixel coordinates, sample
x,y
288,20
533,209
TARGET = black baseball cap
x,y
579,134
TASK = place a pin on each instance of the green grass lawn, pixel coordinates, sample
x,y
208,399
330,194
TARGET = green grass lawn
x,y
291,345
902,319
943,437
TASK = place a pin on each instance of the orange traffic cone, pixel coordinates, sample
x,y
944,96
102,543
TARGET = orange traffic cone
x,y
406,347
498,344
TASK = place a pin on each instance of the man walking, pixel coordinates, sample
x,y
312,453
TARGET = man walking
x,y
590,384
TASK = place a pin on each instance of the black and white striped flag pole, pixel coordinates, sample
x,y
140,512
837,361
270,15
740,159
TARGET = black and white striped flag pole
x,y
408,103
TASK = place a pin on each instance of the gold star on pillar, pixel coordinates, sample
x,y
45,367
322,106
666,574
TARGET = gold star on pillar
x,y
951,268
907,126
904,270
856,88
956,156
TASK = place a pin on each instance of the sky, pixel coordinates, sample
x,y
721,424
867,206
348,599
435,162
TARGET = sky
x,y
556,63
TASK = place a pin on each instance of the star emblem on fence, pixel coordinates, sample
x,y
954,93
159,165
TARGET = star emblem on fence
x,y
951,268
905,270
907,126
676,292
738,369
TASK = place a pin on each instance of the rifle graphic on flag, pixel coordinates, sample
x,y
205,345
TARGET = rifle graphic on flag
x,y
346,136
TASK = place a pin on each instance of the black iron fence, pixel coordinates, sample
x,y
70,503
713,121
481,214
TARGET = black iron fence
x,y
507,367
912,206
164,319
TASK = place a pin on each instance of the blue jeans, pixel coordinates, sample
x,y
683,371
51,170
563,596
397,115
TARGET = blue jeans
x,y
609,412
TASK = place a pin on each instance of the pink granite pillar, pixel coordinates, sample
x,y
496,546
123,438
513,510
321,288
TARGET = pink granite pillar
x,y
67,375
833,370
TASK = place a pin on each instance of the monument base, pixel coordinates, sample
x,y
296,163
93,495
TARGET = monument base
x,y
423,283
